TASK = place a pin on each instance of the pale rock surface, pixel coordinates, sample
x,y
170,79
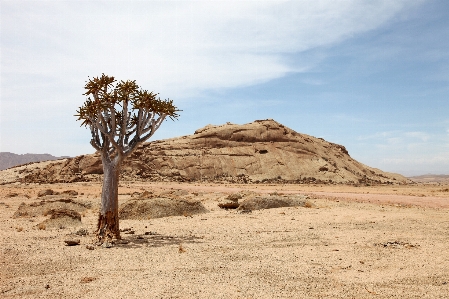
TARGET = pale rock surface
x,y
261,151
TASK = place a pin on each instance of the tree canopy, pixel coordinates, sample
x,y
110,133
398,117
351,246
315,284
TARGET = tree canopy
x,y
121,115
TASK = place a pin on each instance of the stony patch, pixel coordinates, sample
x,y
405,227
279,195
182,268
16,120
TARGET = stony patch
x,y
151,208
44,207
272,202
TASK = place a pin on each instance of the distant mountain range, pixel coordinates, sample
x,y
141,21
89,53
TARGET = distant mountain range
x,y
8,160
431,178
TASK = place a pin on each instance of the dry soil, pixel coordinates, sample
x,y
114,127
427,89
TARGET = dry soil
x,y
353,242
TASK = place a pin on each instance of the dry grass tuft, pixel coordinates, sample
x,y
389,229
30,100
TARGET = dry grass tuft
x,y
42,226
181,249
19,229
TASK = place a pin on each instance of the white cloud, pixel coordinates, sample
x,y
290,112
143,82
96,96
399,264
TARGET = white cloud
x,y
409,153
178,48
418,135
422,161
181,46
411,165
397,137
378,135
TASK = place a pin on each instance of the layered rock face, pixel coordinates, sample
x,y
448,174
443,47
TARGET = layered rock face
x,y
258,152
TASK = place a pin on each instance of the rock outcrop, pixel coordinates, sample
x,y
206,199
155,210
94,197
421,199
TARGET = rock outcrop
x,y
259,152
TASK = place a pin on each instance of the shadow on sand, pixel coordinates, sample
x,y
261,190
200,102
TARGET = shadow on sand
x,y
153,239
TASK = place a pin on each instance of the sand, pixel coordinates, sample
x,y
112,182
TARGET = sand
x,y
353,242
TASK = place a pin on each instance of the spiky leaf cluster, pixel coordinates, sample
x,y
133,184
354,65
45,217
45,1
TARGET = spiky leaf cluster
x,y
121,115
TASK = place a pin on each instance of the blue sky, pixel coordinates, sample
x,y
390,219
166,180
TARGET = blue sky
x,y
370,75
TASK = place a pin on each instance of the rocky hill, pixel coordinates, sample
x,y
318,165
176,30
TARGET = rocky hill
x,y
259,152
8,160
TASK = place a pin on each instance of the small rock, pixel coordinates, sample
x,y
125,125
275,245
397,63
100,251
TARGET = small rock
x,y
12,195
72,242
90,246
87,279
229,205
234,197
122,241
82,232
107,245
151,233
46,192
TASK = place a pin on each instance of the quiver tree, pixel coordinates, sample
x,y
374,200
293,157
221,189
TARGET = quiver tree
x,y
120,116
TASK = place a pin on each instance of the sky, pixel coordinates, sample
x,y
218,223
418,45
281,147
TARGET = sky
x,y
370,75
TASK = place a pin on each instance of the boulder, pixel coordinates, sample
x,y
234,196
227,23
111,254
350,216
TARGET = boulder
x,y
72,242
231,201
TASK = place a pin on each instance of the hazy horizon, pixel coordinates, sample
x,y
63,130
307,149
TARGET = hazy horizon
x,y
370,75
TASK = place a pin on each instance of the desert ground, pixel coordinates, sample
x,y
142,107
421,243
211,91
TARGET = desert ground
x,y
346,242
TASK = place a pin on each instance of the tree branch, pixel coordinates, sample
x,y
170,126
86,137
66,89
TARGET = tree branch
x,y
149,117
99,125
95,142
139,122
154,126
113,120
124,123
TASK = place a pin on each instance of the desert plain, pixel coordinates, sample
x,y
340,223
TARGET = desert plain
x,y
385,241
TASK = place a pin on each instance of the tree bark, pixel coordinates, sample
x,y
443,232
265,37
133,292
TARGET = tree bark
x,y
108,221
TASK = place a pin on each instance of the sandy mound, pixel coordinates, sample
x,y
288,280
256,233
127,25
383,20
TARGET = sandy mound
x,y
44,207
47,192
149,208
61,218
274,201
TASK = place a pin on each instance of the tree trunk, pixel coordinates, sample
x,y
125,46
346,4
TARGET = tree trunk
x,y
108,222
